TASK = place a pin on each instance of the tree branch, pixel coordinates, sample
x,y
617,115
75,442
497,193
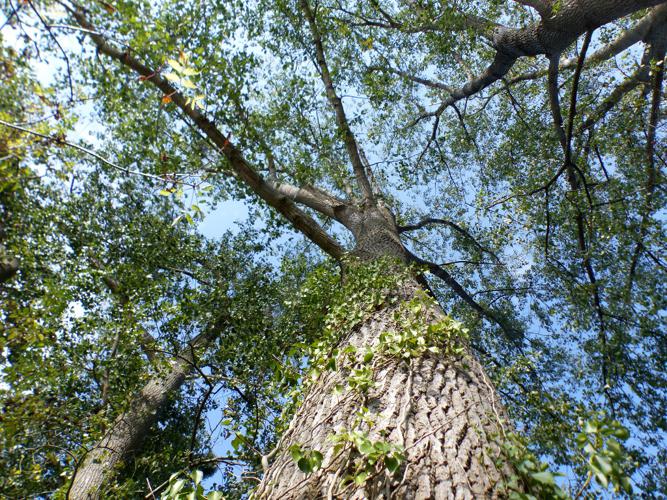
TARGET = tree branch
x,y
625,40
651,171
626,86
243,170
337,104
511,333
548,37
543,8
453,225
312,197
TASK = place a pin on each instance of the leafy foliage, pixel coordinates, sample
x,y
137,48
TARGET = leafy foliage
x,y
110,283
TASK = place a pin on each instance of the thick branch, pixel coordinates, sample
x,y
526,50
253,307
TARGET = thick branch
x,y
541,6
548,37
625,40
128,431
312,197
243,170
456,287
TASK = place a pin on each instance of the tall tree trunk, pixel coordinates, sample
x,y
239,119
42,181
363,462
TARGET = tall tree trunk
x,y
440,409
126,435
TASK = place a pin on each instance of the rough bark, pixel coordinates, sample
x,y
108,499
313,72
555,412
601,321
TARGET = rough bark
x,y
375,233
441,409
126,435
566,21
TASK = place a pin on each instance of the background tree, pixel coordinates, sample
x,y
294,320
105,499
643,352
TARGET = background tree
x,y
423,133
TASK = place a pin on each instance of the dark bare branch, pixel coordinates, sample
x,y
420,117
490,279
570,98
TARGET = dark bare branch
x,y
414,78
639,76
453,225
456,287
651,171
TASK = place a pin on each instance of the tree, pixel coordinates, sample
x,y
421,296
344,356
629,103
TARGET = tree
x,y
400,399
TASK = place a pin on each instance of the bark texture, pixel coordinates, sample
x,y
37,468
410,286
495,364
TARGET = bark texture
x,y
441,409
561,24
126,435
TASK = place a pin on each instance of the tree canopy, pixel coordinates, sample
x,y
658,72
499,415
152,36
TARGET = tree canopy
x,y
517,148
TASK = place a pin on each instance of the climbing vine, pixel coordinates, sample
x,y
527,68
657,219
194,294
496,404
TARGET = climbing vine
x,y
415,329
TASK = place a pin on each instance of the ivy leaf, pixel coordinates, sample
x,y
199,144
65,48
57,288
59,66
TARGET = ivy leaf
x,y
365,447
545,477
361,477
392,464
295,452
316,459
305,465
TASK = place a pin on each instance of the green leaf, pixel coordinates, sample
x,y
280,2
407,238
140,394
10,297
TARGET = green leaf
x,y
237,442
622,433
305,465
365,447
602,479
392,464
590,427
603,464
175,65
368,356
197,476
176,487
361,477
625,484
545,477
316,459
295,452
